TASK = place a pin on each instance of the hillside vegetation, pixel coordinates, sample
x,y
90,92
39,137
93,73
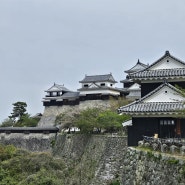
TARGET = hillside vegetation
x,y
76,160
19,167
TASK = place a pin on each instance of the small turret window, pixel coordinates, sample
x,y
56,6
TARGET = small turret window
x,y
167,61
85,85
102,84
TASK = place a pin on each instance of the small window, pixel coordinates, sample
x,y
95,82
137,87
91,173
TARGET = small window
x,y
111,85
102,84
85,85
167,61
166,91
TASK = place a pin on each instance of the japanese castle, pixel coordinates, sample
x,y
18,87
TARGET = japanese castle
x,y
156,91
159,110
97,87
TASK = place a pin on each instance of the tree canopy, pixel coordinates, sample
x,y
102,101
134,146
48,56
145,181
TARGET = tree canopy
x,y
19,117
98,119
19,109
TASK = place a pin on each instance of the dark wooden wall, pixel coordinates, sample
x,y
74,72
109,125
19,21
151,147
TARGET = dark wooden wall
x,y
140,127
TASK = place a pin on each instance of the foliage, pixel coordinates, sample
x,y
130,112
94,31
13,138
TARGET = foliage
x,y
87,120
111,121
19,110
6,152
115,182
27,121
19,117
173,161
23,168
7,123
98,119
66,119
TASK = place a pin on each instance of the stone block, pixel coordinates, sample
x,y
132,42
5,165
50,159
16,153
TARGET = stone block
x,y
140,143
182,150
164,148
147,144
174,149
155,146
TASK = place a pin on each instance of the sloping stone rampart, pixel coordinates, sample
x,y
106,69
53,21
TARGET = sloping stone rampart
x,y
32,142
50,112
152,168
105,159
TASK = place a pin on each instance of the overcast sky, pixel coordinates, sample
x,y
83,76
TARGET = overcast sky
x,y
47,41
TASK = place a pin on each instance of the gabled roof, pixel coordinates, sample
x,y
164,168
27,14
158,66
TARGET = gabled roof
x,y
159,74
57,88
149,105
70,95
138,67
98,78
166,55
134,86
175,69
100,88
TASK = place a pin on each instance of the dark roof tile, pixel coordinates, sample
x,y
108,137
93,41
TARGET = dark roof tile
x,y
98,78
140,106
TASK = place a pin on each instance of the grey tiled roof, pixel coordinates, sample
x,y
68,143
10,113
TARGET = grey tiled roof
x,y
138,67
139,106
126,81
152,107
98,78
160,73
100,88
58,87
70,95
67,95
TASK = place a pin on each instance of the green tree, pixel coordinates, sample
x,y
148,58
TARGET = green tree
x,y
27,121
7,123
111,121
66,120
87,120
19,110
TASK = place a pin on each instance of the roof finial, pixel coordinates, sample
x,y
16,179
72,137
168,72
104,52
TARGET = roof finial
x,y
54,83
167,52
138,61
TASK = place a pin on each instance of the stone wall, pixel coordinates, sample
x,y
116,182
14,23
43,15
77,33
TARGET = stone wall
x,y
31,142
105,159
142,167
97,157
50,113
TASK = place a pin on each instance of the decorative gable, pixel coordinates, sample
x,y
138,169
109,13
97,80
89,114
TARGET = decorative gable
x,y
165,94
54,88
167,63
166,99
167,67
93,85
